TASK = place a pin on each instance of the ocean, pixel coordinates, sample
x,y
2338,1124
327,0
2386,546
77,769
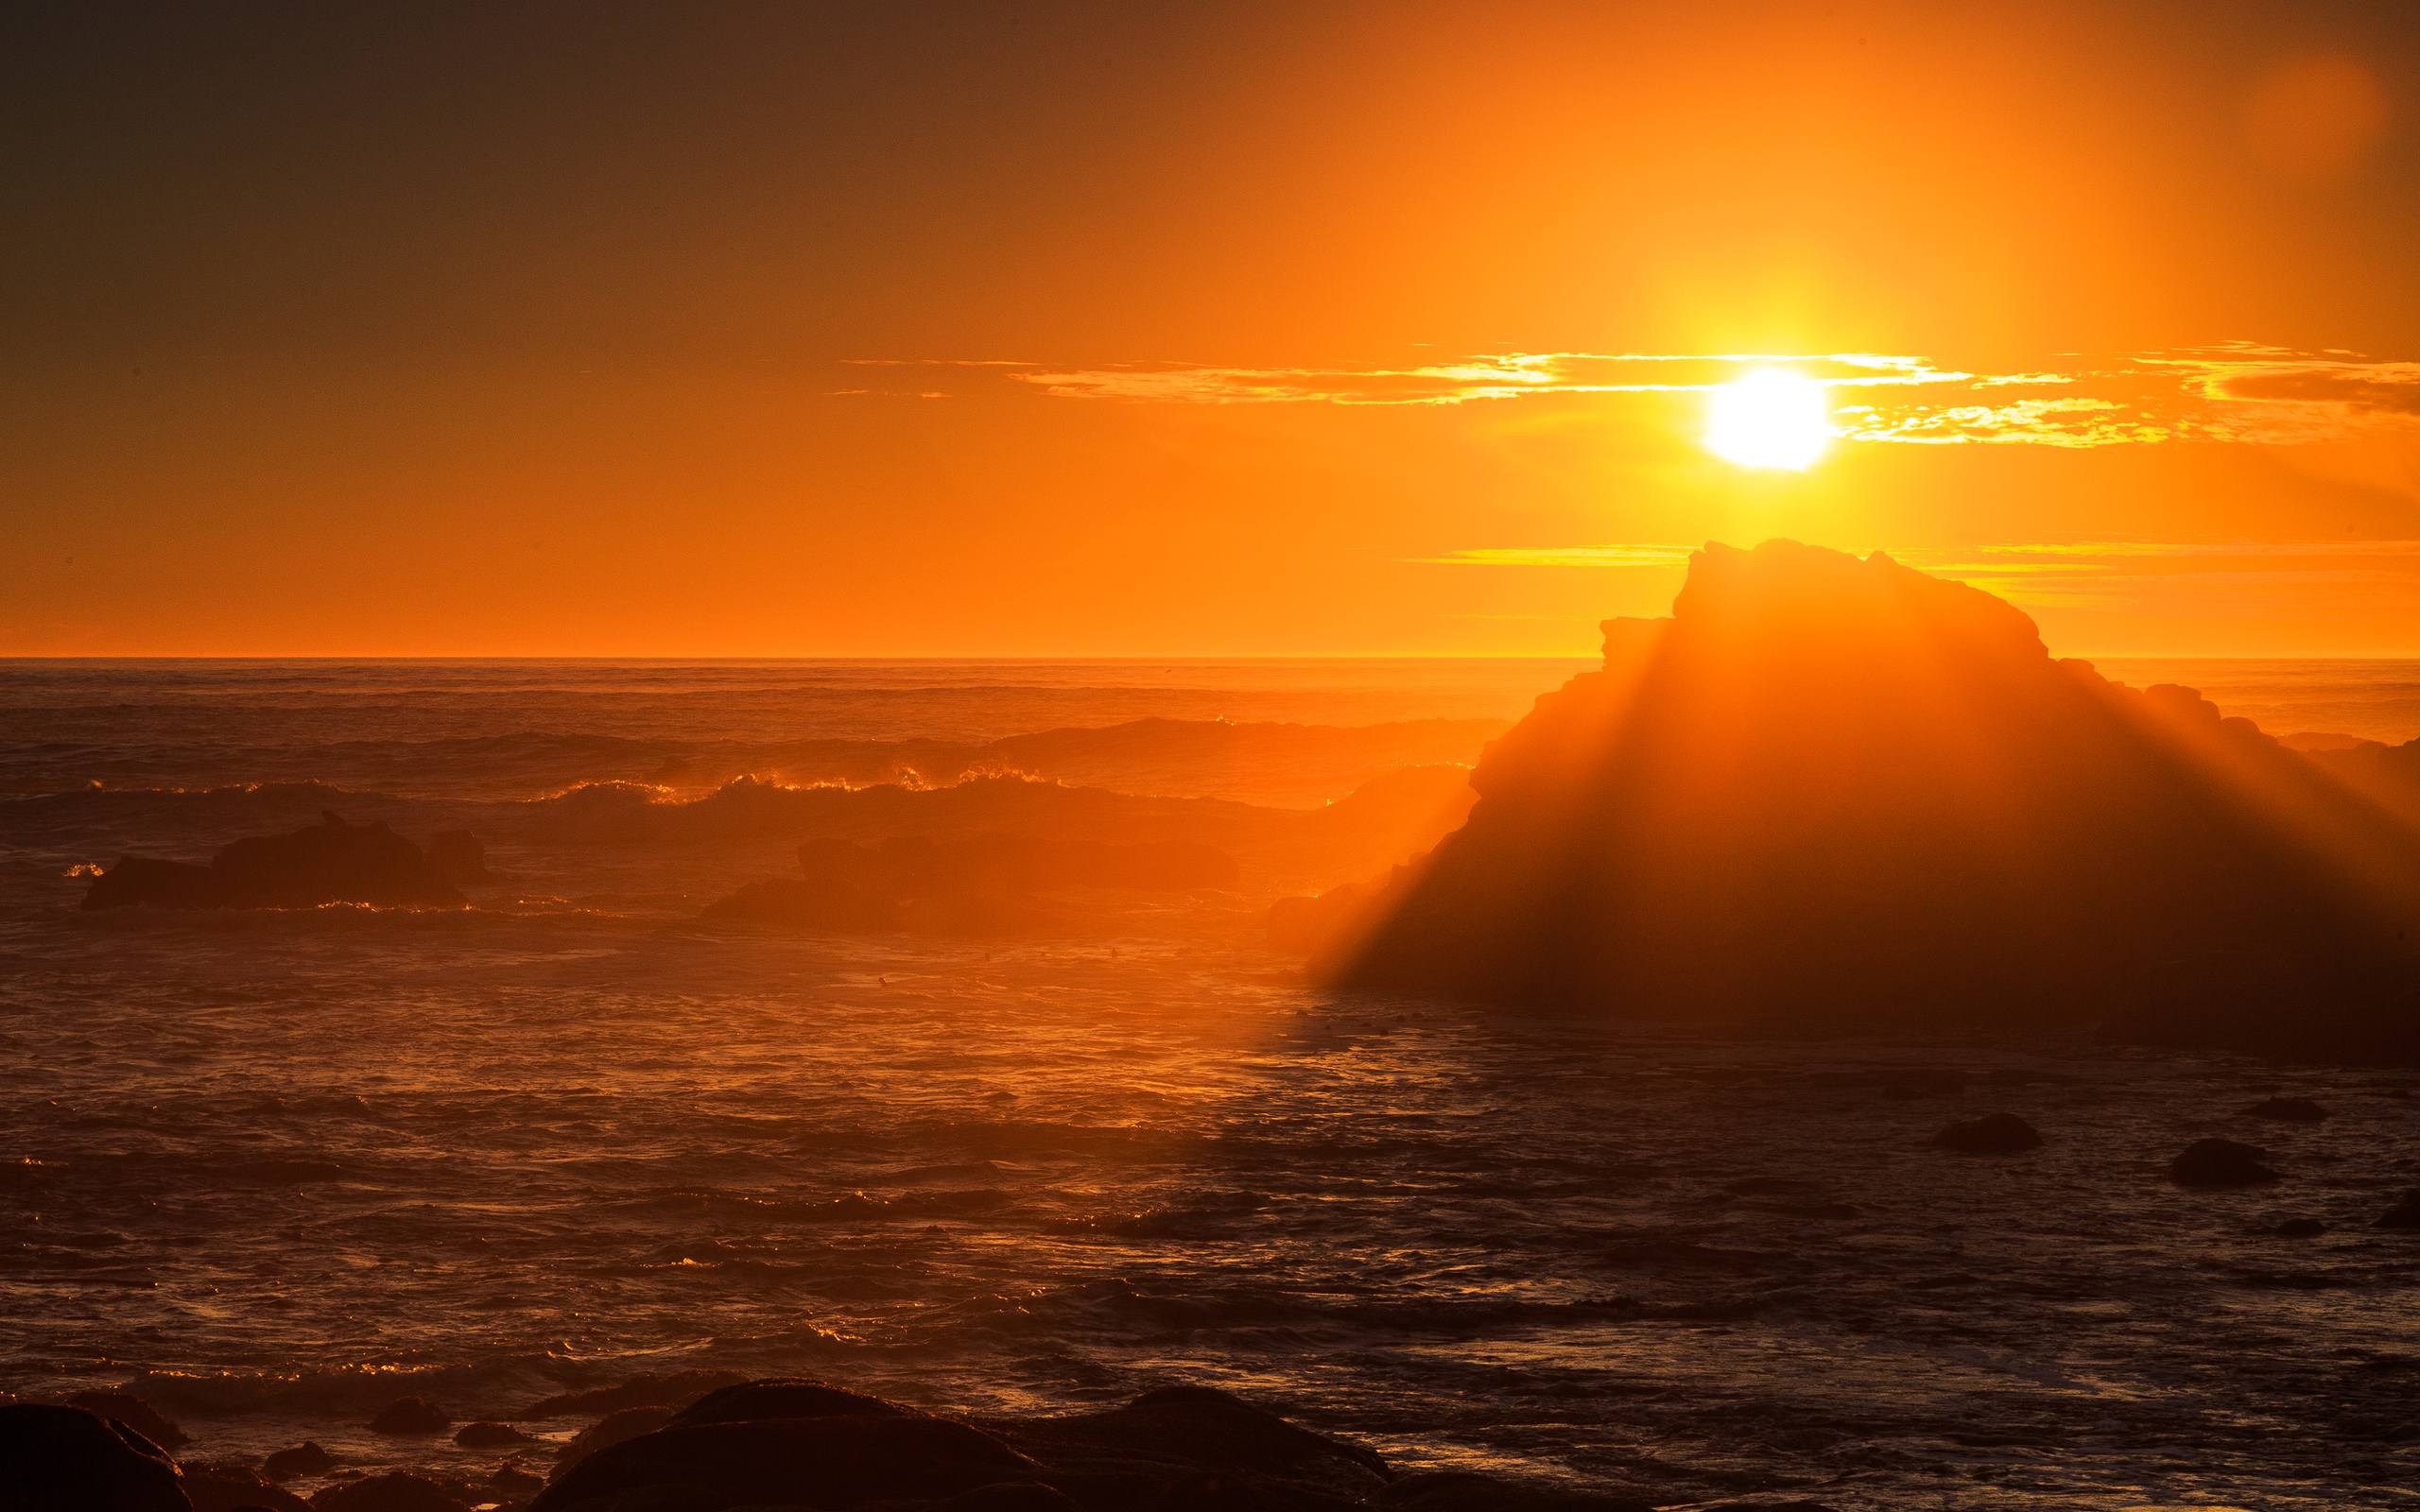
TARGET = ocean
x,y
273,1169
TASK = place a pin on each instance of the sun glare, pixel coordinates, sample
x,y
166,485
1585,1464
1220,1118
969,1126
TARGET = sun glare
x,y
1768,418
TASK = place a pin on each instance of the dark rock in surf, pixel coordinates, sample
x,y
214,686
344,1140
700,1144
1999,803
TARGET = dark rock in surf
x,y
306,1458
395,1491
1992,1134
2404,1214
331,862
2300,1229
55,1457
132,1411
223,1487
2220,1163
2287,1110
410,1415
457,856
829,1459
489,1435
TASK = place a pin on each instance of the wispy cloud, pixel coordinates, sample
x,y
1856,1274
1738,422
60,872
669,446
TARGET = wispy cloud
x,y
2238,392
2040,571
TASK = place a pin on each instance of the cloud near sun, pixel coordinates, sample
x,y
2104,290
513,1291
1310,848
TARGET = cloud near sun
x,y
2235,392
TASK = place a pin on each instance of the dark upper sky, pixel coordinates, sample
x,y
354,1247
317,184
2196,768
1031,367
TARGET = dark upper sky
x,y
530,328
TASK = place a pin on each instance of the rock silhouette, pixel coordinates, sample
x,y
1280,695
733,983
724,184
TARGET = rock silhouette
x,y
57,1457
307,1459
1837,792
330,862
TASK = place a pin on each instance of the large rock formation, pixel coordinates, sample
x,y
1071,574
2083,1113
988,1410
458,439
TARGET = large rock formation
x,y
1836,792
60,1458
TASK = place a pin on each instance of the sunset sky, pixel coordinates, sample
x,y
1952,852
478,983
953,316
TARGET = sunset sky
x,y
1215,330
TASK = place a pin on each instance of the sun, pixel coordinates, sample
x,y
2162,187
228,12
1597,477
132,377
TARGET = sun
x,y
1768,418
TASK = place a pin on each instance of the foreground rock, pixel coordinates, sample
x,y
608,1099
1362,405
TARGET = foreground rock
x,y
331,862
2219,1164
58,1457
1992,1134
1838,794
802,1444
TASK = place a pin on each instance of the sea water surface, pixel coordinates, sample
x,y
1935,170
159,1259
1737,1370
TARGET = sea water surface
x,y
275,1169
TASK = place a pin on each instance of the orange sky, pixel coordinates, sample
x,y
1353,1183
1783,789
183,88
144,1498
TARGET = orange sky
x,y
1104,329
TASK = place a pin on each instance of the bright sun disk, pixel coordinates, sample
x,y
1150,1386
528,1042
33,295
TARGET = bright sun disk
x,y
1768,418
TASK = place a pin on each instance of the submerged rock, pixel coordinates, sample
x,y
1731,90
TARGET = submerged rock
x,y
2287,1110
2220,1163
1992,1134
410,1415
55,1458
489,1435
331,862
2300,1229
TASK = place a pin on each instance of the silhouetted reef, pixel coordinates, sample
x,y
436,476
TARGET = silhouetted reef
x,y
1834,793
794,1444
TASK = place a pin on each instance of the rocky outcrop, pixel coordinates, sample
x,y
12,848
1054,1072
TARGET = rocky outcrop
x,y
1836,792
331,862
60,1457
